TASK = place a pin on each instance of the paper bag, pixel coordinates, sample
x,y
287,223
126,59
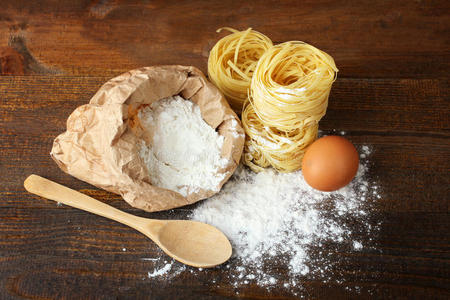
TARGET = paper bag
x,y
103,138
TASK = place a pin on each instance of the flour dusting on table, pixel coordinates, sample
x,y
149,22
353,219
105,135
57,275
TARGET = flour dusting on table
x,y
275,217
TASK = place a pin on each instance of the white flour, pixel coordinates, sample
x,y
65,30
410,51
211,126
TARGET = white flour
x,y
165,270
272,217
159,272
185,153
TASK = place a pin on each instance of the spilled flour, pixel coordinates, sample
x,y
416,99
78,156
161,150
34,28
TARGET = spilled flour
x,y
165,270
273,217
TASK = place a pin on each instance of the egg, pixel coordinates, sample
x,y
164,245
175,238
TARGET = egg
x,y
330,163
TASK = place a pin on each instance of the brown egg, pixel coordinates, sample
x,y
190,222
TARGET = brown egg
x,y
330,163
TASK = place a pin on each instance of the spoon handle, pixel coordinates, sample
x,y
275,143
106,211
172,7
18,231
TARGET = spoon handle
x,y
51,190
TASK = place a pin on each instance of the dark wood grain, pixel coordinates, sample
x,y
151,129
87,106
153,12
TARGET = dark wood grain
x,y
392,93
395,39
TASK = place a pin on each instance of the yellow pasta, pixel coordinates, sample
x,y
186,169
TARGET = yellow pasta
x,y
267,146
291,85
288,96
232,62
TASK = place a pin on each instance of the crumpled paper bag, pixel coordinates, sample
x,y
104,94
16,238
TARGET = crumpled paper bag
x,y
103,138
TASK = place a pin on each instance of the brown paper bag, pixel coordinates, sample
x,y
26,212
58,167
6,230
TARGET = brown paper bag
x,y
102,141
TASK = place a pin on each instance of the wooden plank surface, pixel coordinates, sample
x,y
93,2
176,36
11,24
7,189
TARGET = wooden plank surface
x,y
377,39
392,93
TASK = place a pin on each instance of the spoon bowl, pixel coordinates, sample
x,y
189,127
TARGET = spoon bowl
x,y
190,242
194,243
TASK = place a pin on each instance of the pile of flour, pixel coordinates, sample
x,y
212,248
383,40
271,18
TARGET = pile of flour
x,y
278,225
271,216
185,151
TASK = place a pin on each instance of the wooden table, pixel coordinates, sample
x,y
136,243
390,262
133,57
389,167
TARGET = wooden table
x,y
392,93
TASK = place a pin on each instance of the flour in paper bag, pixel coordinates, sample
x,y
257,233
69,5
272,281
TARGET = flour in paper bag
x,y
184,155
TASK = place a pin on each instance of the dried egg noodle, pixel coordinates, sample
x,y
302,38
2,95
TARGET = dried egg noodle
x,y
267,146
291,84
232,62
288,96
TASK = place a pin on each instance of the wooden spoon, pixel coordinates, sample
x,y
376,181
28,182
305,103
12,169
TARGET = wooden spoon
x,y
190,242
